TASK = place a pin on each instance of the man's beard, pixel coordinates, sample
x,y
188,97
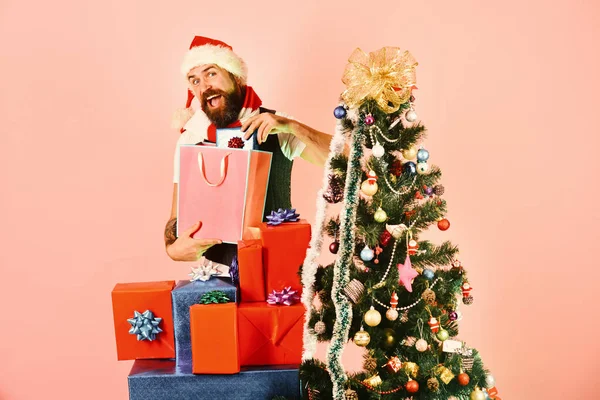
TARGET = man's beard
x,y
229,111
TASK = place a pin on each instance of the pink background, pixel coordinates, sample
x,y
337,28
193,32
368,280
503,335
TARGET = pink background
x,y
508,90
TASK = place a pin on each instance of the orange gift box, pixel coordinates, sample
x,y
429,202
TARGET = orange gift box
x,y
284,250
250,264
270,335
214,333
154,296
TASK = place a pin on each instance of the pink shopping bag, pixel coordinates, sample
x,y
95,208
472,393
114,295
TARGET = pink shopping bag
x,y
223,188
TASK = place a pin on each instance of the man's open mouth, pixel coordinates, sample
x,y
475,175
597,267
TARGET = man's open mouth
x,y
214,101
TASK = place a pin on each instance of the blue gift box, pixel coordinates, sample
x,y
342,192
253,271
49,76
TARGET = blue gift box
x,y
184,295
163,380
226,134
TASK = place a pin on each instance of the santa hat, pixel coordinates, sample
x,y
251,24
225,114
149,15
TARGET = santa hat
x,y
207,51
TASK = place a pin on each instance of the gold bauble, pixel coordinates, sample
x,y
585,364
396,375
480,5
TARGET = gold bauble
x,y
477,394
410,154
380,215
391,314
390,338
362,338
369,188
372,317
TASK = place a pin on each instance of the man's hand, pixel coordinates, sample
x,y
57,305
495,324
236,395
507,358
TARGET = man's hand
x,y
266,124
186,248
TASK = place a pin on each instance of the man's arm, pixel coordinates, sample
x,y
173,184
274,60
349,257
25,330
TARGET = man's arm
x,y
184,247
317,143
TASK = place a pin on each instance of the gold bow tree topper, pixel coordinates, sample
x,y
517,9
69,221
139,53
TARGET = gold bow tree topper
x,y
387,76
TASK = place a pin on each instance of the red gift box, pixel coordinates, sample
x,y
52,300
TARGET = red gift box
x,y
250,264
270,335
284,250
154,296
214,333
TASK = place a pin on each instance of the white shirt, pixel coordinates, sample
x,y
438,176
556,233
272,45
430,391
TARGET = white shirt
x,y
195,132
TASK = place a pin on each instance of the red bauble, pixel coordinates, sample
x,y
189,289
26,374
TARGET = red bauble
x,y
443,224
463,379
334,247
412,386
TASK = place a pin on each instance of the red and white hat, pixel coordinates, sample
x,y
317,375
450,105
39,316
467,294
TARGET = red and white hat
x,y
204,51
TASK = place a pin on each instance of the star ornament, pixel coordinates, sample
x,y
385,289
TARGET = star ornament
x,y
406,274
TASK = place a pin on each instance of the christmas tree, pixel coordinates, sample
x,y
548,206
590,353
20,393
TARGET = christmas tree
x,y
388,193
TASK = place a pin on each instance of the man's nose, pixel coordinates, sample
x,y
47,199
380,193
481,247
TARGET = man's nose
x,y
204,86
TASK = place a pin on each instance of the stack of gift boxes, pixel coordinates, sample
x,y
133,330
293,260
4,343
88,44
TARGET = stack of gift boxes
x,y
246,343
245,348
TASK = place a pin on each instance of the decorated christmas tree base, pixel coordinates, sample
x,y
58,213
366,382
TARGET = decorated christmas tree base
x,y
163,380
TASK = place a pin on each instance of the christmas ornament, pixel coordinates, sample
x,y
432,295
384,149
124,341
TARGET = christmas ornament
x,y
385,238
493,393
362,338
394,364
422,155
235,143
389,338
428,296
421,345
144,325
467,358
418,195
404,317
409,168
406,274
443,335
413,247
458,316
411,115
477,394
463,379
490,381
409,341
287,297
354,290
335,191
443,224
433,324
429,274
433,384
428,191
438,190
334,247
339,112
412,386
466,291
214,297
380,215
411,369
452,316
396,168
445,374
369,187
281,215
350,394
422,168
367,254
373,381
369,120
378,251
396,230
468,300
386,76
378,150
409,154
372,317
320,328
391,314
370,363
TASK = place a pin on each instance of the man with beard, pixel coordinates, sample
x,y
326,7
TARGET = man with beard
x,y
217,77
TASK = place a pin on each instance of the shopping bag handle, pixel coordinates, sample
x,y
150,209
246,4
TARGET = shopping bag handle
x,y
224,167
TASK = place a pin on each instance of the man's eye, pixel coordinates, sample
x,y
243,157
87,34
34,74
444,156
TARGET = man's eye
x,y
211,74
195,82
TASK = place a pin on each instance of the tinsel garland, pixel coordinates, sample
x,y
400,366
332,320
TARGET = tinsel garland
x,y
310,266
341,272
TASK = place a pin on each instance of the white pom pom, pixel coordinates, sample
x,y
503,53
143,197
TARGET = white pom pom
x,y
181,117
